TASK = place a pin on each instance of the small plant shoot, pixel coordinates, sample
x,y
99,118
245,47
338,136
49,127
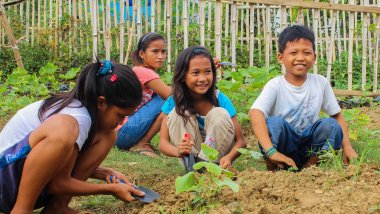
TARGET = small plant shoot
x,y
208,184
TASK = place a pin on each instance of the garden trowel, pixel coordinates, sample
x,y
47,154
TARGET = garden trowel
x,y
188,160
149,196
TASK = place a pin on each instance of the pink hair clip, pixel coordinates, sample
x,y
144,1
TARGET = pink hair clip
x,y
113,78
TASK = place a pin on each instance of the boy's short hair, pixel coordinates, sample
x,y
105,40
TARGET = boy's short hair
x,y
294,33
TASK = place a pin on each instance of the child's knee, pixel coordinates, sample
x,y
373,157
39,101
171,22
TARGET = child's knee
x,y
329,126
217,116
275,123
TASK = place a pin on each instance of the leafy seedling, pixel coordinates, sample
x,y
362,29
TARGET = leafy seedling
x,y
149,196
208,184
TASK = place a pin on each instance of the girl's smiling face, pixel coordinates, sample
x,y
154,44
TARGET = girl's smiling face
x,y
199,76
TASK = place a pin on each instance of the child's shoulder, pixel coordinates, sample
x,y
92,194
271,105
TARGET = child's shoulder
x,y
318,78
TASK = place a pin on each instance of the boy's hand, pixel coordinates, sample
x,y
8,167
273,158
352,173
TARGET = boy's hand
x,y
281,159
348,154
184,147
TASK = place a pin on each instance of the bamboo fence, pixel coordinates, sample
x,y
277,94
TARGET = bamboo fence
x,y
245,28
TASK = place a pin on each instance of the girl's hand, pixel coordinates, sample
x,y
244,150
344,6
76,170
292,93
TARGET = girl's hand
x,y
116,177
124,192
225,162
184,147
281,159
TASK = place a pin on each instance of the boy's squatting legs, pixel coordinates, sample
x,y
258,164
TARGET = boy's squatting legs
x,y
85,166
50,153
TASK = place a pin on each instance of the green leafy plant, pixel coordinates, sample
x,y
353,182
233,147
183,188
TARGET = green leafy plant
x,y
356,121
208,184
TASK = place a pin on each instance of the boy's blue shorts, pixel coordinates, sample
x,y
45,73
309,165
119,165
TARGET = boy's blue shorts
x,y
11,166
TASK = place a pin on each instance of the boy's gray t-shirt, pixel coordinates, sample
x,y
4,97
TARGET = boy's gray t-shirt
x,y
299,106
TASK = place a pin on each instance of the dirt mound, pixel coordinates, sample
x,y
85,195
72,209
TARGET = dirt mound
x,y
310,191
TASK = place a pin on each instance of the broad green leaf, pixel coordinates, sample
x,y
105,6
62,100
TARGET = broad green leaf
x,y
185,183
231,184
71,74
211,154
244,151
48,69
210,167
228,173
256,155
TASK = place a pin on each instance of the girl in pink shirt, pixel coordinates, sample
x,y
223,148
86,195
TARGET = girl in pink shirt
x,y
137,130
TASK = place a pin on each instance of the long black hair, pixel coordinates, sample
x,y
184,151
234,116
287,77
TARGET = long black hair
x,y
120,87
143,44
184,101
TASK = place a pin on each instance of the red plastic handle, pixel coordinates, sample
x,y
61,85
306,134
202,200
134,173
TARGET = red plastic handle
x,y
187,136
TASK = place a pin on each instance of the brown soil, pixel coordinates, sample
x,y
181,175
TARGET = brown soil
x,y
310,191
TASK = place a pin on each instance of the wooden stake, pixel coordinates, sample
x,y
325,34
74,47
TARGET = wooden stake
x,y
11,37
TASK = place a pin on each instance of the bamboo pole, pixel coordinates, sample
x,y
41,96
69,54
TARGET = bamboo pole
x,y
45,13
339,41
56,26
268,36
130,39
209,23
259,33
121,53
139,21
350,45
165,12
33,15
51,20
218,31
38,19
103,11
27,15
158,15
332,44
177,23
169,20
202,21
11,37
344,29
153,15
80,16
284,22
108,30
146,17
185,23
241,27
364,47
226,29
233,31
22,11
117,37
376,60
251,34
94,19
70,30
75,24
316,22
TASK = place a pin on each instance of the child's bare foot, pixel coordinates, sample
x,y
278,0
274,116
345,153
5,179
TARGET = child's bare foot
x,y
144,149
